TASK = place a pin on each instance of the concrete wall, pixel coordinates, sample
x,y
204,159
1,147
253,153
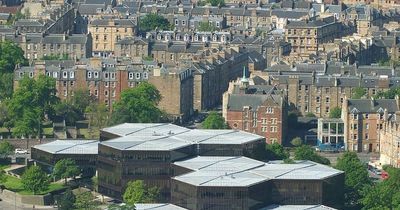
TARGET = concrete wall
x,y
27,143
41,200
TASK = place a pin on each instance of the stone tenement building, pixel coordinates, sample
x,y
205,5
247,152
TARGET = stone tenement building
x,y
132,47
55,20
38,45
313,88
390,141
104,79
259,109
176,88
306,37
363,119
107,32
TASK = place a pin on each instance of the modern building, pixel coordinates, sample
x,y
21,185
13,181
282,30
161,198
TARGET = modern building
x,y
146,151
223,183
331,132
83,152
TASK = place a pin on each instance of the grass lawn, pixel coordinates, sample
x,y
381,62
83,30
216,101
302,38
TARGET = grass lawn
x,y
15,184
2,167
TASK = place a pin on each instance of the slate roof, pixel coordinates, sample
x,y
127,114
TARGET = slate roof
x,y
372,106
309,24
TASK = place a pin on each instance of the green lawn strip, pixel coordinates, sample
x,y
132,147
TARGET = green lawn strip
x,y
48,131
2,167
15,184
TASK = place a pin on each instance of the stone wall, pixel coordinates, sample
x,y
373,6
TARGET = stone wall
x,y
41,200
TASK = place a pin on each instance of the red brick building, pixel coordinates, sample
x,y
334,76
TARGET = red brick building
x,y
259,109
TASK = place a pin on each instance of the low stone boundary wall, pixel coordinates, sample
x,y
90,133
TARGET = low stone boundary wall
x,y
42,200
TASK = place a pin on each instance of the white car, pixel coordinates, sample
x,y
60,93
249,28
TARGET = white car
x,y
21,151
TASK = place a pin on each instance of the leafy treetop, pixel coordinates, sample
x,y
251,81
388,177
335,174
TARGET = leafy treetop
x,y
214,121
66,168
153,21
6,149
138,192
35,180
276,151
306,152
356,177
138,105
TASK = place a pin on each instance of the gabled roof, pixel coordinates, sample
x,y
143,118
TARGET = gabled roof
x,y
372,106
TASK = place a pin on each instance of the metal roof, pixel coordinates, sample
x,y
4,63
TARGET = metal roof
x,y
157,206
241,171
166,137
297,207
78,147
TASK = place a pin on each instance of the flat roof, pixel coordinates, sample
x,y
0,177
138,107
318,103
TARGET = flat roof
x,y
297,207
165,137
157,206
243,171
77,147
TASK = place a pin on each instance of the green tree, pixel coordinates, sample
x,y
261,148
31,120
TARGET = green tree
x,y
85,200
206,26
216,2
6,149
66,168
389,94
35,180
68,112
152,21
385,194
31,101
335,112
358,93
5,116
66,201
356,177
214,121
10,55
297,141
137,192
306,152
138,105
276,151
98,116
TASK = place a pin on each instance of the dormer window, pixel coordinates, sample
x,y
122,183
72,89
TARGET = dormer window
x,y
30,74
176,22
89,74
55,74
130,75
65,74
158,36
196,37
178,37
186,37
96,74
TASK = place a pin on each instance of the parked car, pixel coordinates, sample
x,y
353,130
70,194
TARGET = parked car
x,y
21,151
